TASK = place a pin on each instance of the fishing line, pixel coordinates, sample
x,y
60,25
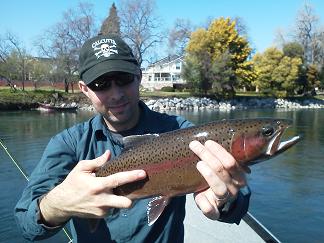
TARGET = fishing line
x,y
14,161
21,170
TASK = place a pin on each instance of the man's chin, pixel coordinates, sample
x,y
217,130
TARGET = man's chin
x,y
118,119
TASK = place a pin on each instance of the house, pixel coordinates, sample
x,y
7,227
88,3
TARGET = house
x,y
163,73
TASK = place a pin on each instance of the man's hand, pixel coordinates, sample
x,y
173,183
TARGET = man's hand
x,y
83,195
222,173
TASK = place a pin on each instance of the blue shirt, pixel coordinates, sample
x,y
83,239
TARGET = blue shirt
x,y
87,141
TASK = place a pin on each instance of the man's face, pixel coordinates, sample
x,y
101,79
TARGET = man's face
x,y
116,97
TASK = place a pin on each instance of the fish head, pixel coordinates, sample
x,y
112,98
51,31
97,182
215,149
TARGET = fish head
x,y
259,140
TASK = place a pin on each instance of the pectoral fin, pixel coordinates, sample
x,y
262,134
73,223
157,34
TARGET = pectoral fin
x,y
155,208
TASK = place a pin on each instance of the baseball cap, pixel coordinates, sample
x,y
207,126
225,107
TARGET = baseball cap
x,y
103,54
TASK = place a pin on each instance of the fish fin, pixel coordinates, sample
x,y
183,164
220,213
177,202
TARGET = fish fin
x,y
155,208
93,224
131,141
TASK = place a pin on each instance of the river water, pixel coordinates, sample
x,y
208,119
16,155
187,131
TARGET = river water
x,y
287,191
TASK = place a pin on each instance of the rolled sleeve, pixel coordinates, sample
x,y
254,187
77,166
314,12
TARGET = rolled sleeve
x,y
29,223
58,159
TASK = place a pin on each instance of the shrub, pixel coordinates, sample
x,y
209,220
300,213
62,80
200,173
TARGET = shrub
x,y
167,89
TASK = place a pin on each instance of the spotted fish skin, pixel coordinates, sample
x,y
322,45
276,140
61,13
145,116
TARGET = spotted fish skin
x,y
171,166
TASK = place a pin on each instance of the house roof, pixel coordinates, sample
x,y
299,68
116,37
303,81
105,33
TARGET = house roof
x,y
166,60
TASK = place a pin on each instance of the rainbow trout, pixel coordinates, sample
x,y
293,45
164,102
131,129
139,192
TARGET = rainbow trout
x,y
171,166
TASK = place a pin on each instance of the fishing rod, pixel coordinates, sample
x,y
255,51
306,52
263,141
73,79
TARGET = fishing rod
x,y
25,175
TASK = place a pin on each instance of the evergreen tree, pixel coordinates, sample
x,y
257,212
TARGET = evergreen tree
x,y
111,25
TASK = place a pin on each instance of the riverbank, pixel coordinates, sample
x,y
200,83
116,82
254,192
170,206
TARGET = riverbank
x,y
27,100
236,103
30,100
194,104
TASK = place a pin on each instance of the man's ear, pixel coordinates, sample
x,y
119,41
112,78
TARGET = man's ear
x,y
140,76
83,87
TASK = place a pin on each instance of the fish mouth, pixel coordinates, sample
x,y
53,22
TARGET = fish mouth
x,y
276,146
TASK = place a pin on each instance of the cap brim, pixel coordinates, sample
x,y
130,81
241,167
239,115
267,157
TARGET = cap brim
x,y
109,66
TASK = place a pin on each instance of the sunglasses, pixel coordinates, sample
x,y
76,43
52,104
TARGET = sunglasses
x,y
104,82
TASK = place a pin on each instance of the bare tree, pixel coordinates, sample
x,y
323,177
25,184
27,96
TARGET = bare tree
x,y
280,38
140,27
63,41
11,48
179,35
306,32
241,26
4,55
5,65
4,49
112,23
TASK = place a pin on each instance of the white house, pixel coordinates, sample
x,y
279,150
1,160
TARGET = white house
x,y
163,73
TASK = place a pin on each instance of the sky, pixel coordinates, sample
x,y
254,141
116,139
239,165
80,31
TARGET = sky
x,y
263,18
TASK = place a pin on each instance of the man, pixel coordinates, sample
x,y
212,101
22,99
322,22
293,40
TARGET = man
x,y
63,186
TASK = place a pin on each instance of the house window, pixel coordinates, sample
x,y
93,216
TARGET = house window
x,y
178,65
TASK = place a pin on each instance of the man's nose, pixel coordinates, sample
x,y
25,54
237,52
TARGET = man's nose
x,y
116,92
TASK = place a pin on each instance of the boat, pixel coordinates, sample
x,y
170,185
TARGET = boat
x,y
62,107
198,228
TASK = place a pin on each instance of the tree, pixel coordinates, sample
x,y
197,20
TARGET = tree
x,y
313,79
140,27
321,77
293,49
39,70
286,74
196,74
241,26
179,35
112,23
276,72
307,34
222,53
14,59
4,55
63,41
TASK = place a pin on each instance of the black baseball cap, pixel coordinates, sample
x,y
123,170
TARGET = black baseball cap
x,y
103,54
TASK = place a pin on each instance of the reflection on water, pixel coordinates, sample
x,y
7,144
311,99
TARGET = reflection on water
x,y
288,191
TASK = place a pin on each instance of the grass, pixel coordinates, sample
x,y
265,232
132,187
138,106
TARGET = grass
x,y
321,96
30,96
154,94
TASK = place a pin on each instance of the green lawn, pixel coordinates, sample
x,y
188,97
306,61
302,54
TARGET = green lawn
x,y
30,96
8,96
153,94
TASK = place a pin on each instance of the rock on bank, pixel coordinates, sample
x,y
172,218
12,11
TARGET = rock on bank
x,y
240,103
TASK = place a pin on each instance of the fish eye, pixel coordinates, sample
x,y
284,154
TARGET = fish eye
x,y
267,131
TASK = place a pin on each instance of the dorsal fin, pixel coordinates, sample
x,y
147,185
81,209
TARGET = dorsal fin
x,y
131,141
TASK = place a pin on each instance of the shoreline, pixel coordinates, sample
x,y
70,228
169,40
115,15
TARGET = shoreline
x,y
195,104
188,104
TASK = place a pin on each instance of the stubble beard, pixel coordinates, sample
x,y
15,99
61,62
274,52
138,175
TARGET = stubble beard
x,y
124,121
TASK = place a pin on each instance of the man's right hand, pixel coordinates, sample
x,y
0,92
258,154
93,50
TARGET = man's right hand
x,y
83,195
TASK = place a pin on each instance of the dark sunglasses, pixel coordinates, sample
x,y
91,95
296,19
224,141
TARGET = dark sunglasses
x,y
104,82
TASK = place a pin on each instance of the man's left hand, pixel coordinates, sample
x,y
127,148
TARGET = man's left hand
x,y
222,173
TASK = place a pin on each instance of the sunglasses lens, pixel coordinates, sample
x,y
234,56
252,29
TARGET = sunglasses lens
x,y
124,79
104,82
99,85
